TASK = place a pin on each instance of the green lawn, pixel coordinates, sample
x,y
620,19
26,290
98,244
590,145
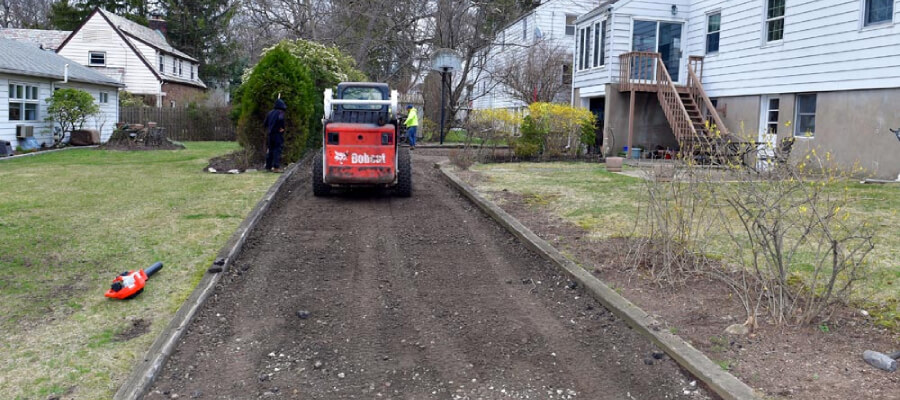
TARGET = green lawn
x,y
606,205
71,221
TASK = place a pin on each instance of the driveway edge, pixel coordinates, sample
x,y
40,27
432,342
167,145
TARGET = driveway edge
x,y
144,373
719,381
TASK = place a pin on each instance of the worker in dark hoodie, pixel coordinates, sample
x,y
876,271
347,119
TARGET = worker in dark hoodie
x,y
274,124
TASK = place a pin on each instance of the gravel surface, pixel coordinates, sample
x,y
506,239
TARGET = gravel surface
x,y
364,295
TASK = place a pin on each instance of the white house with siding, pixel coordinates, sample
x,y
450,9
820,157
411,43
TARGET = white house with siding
x,y
29,75
825,73
138,56
553,21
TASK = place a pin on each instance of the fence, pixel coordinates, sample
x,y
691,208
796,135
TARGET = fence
x,y
185,124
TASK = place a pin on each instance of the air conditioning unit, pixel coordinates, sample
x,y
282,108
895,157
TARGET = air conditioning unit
x,y
24,131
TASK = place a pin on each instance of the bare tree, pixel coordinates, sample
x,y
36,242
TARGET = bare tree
x,y
535,73
24,13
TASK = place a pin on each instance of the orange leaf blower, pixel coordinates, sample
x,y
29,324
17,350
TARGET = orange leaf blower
x,y
130,284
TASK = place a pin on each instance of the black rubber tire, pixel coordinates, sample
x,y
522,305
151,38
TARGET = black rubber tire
x,y
404,173
320,188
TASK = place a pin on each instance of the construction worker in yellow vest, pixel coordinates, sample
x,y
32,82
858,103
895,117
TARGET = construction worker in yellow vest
x,y
412,125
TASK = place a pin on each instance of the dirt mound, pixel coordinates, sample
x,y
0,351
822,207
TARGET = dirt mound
x,y
138,137
240,160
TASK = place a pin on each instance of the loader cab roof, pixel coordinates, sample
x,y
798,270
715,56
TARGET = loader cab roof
x,y
371,114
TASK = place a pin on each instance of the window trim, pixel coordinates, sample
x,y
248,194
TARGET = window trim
x,y
706,42
598,60
162,64
863,9
180,69
103,98
796,131
91,58
579,47
32,98
574,26
174,67
767,20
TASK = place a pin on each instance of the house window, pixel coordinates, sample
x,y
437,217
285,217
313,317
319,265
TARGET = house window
x,y
599,44
570,25
179,68
525,28
104,97
23,102
192,71
162,63
174,67
587,47
774,20
879,11
579,63
713,26
806,115
97,58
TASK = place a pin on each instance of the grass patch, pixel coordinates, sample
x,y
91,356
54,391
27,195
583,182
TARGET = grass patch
x,y
71,221
606,205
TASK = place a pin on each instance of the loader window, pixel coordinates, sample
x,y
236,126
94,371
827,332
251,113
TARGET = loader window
x,y
361,93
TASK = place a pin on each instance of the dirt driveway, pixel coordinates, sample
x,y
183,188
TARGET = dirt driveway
x,y
369,296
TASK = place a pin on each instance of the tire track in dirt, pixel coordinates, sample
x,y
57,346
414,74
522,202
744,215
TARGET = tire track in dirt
x,y
418,298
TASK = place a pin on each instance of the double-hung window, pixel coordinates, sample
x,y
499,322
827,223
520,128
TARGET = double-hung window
x,y
878,11
713,27
162,64
570,25
192,71
23,102
97,58
103,98
599,44
174,66
774,20
806,115
179,67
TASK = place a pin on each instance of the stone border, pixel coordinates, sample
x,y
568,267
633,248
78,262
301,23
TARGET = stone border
x,y
720,381
144,373
37,153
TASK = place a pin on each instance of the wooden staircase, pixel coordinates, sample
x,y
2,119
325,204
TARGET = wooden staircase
x,y
694,121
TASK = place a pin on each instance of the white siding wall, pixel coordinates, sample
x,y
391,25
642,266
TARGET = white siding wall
x,y
591,83
121,62
825,48
43,130
550,19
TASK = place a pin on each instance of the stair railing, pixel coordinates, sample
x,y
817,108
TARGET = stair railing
x,y
672,106
695,87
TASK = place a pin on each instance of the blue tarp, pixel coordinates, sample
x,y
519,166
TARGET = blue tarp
x,y
29,144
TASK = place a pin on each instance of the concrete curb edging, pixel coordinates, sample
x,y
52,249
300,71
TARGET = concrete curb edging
x,y
144,373
719,381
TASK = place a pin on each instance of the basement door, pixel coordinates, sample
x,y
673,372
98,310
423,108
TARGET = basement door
x,y
768,126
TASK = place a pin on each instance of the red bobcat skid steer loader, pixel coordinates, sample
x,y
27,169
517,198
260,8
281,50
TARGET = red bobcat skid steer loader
x,y
359,143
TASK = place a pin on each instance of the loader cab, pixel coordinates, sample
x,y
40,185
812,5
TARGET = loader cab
x,y
359,143
363,113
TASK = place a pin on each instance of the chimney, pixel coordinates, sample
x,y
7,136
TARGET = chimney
x,y
158,24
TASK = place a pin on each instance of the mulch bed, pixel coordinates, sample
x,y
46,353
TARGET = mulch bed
x,y
807,362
